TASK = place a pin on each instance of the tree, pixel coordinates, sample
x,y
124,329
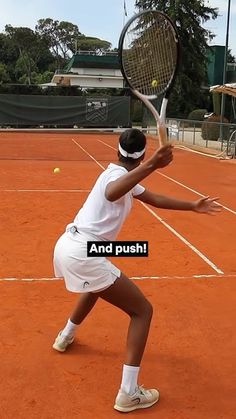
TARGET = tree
x,y
188,17
31,51
64,39
88,43
4,76
23,39
61,37
29,56
8,57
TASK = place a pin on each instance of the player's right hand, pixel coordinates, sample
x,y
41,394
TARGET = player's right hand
x,y
162,157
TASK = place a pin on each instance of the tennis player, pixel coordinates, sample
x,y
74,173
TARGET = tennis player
x,y
101,218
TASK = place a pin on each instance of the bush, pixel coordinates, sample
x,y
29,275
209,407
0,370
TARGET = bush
x,y
211,131
34,89
197,114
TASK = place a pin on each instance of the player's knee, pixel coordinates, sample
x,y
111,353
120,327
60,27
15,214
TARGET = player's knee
x,y
148,310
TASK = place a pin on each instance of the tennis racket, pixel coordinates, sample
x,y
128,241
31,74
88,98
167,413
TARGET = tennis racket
x,y
149,56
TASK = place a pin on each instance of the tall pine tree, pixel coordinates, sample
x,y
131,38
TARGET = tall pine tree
x,y
188,16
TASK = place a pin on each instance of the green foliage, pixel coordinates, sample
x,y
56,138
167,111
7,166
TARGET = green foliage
x,y
211,128
31,52
41,78
20,89
197,114
33,89
25,65
4,76
8,52
32,56
37,78
188,17
88,43
60,36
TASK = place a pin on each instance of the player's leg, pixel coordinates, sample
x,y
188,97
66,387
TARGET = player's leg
x,y
83,307
125,295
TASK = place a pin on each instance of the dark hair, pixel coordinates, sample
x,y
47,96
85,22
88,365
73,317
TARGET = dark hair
x,y
131,140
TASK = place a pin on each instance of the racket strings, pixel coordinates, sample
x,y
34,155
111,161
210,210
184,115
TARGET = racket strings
x,y
149,54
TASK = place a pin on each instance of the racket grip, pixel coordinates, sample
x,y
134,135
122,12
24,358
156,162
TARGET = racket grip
x,y
162,135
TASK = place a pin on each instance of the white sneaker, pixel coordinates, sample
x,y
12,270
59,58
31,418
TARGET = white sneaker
x,y
141,399
62,342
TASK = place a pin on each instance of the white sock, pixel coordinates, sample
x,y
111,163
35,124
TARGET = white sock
x,y
129,379
69,329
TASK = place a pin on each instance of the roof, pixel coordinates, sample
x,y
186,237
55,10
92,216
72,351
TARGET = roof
x,y
229,89
93,61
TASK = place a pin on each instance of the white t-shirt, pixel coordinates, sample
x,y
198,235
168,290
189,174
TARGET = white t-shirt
x,y
103,218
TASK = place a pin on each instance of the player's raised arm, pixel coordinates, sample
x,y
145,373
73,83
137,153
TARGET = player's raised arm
x,y
119,187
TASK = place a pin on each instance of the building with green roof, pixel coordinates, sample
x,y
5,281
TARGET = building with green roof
x,y
89,70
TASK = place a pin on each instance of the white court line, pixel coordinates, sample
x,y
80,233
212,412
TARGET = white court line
x,y
45,190
181,147
190,189
177,182
152,277
88,153
108,145
193,248
185,241
218,156
196,276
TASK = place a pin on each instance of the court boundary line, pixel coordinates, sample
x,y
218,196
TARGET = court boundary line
x,y
192,190
185,148
216,154
75,142
45,190
184,240
177,182
141,278
178,235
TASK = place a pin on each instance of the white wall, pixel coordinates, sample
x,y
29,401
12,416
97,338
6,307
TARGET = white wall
x,y
97,82
97,71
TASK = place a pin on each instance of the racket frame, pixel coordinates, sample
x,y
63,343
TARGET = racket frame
x,y
159,118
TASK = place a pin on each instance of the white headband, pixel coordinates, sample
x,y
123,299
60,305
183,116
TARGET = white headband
x,y
135,155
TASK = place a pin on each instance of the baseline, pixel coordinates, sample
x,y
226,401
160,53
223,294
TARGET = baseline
x,y
141,278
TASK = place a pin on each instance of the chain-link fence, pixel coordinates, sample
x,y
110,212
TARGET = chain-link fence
x,y
220,137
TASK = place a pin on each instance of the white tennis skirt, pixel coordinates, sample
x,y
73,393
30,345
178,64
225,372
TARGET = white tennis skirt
x,y
81,273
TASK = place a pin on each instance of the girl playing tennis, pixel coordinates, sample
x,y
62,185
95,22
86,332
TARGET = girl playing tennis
x,y
101,218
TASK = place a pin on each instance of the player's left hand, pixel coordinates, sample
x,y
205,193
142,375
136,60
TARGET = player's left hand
x,y
207,205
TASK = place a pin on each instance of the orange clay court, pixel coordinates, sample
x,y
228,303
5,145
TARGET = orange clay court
x,y
189,277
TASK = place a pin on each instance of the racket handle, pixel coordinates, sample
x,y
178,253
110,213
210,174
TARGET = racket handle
x,y
162,135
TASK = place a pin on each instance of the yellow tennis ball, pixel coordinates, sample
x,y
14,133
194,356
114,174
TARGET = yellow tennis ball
x,y
154,83
56,170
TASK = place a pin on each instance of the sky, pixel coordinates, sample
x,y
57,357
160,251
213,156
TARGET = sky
x,y
103,18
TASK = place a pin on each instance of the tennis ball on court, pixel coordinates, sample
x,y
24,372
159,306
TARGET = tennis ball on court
x,y
154,83
56,170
